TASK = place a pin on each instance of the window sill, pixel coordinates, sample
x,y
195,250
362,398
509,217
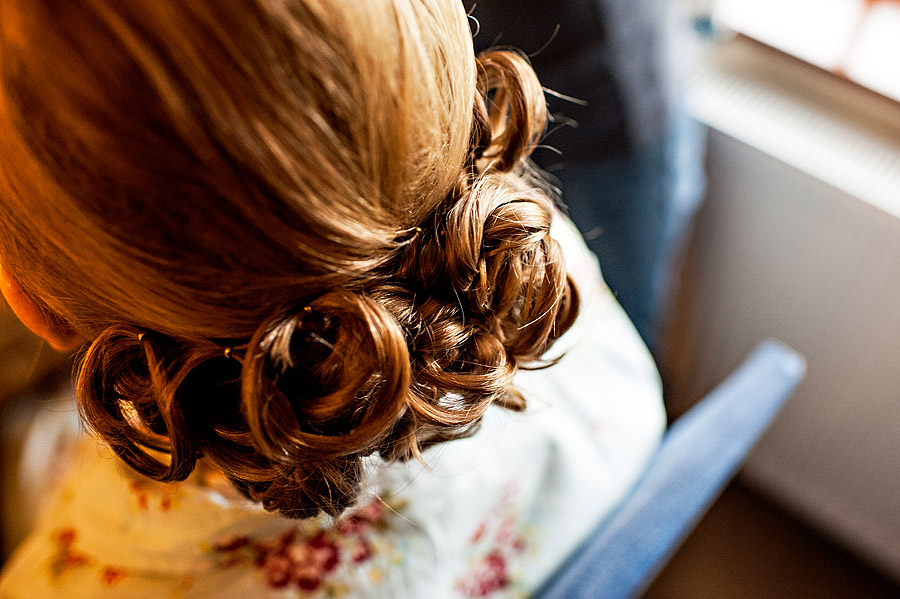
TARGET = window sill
x,y
826,126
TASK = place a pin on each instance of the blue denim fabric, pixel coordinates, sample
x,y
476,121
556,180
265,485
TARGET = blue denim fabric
x,y
635,213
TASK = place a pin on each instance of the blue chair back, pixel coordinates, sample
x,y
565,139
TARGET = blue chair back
x,y
699,455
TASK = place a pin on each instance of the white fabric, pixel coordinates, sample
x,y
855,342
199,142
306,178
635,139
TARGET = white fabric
x,y
492,515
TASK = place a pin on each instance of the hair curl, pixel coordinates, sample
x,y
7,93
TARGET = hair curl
x,y
382,308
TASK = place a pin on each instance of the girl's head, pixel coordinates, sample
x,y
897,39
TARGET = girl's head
x,y
292,233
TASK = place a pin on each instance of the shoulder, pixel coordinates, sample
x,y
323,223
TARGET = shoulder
x,y
111,533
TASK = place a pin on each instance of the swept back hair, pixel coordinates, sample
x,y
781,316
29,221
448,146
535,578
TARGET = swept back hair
x,y
332,192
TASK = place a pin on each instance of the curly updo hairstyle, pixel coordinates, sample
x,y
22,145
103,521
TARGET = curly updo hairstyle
x,y
295,233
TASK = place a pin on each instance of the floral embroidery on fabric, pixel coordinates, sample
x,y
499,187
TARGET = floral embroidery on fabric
x,y
111,575
149,494
67,556
311,562
498,540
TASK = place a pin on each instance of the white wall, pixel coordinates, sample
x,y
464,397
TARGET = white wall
x,y
778,253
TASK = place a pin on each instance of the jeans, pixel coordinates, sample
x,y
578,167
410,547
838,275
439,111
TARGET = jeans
x,y
635,213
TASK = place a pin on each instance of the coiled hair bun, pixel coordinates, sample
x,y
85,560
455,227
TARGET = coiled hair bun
x,y
518,116
319,387
297,234
412,356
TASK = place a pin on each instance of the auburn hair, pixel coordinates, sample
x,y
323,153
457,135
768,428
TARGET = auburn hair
x,y
296,233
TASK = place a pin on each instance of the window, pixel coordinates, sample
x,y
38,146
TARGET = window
x,y
859,39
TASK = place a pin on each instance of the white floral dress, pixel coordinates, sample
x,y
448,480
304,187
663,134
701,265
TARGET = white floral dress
x,y
491,516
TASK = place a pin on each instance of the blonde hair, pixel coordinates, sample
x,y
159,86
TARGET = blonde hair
x,y
331,190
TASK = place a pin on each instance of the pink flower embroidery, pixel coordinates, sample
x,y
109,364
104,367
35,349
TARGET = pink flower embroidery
x,y
147,493
306,563
488,577
66,555
499,539
140,494
361,552
479,532
111,576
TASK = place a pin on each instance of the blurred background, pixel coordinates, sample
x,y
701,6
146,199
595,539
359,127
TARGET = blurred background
x,y
797,238
735,164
